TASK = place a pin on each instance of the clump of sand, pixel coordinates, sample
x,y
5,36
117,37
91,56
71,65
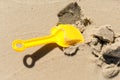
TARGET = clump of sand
x,y
103,41
106,47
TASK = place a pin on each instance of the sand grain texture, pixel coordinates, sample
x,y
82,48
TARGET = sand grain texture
x,y
23,19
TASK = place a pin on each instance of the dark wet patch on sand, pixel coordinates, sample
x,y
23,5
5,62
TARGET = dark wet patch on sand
x,y
72,14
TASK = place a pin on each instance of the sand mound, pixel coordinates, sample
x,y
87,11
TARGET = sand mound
x,y
103,41
106,47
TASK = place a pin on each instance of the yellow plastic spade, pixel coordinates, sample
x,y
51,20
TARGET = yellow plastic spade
x,y
64,35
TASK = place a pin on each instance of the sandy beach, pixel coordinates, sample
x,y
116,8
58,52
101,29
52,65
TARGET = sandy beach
x,y
25,19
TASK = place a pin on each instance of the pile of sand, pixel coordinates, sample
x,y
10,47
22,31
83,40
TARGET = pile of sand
x,y
103,41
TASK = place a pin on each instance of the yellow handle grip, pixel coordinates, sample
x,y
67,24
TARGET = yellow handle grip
x,y
21,45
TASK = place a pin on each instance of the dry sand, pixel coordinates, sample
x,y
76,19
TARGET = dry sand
x,y
23,19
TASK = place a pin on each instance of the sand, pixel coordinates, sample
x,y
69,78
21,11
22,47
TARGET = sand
x,y
24,19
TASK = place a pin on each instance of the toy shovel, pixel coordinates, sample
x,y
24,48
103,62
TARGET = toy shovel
x,y
64,35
